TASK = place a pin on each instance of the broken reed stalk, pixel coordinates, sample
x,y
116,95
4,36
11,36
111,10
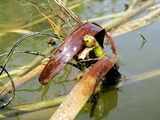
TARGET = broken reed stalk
x,y
127,15
115,15
32,107
82,91
138,23
134,3
106,17
18,81
21,109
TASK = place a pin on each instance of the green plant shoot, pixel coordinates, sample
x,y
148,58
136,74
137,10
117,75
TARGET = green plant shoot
x,y
91,42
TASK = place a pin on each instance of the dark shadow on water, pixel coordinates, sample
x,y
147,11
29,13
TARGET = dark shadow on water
x,y
100,105
106,102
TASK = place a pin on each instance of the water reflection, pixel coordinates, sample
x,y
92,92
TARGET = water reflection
x,y
106,101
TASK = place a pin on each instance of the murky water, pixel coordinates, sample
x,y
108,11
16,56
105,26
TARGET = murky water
x,y
135,101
